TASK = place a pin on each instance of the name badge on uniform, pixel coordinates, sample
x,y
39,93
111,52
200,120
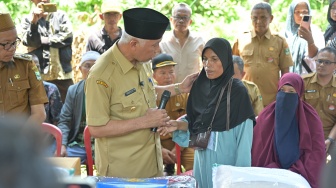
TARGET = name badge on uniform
x,y
311,91
130,92
37,73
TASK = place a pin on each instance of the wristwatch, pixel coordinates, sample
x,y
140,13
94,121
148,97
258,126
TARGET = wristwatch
x,y
331,140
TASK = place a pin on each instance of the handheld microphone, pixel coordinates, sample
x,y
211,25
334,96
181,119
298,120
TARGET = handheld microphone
x,y
164,99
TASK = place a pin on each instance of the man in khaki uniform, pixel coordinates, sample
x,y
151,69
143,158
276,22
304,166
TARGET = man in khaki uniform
x,y
121,101
21,89
320,91
264,54
252,89
164,74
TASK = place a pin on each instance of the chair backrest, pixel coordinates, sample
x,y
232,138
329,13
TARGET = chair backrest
x,y
178,159
57,133
87,144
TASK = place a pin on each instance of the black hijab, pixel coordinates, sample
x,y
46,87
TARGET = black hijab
x,y
331,29
205,92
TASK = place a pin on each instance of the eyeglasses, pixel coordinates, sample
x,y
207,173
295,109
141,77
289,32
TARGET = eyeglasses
x,y
8,45
333,9
301,12
183,18
262,19
325,62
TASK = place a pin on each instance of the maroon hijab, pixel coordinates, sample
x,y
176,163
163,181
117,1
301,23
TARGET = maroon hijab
x,y
311,141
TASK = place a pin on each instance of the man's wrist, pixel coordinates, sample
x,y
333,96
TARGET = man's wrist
x,y
331,139
177,89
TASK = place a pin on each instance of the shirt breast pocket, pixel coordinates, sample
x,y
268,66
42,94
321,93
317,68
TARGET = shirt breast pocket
x,y
330,105
312,98
132,104
272,57
18,92
247,55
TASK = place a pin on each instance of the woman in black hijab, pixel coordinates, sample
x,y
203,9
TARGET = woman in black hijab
x,y
330,33
230,141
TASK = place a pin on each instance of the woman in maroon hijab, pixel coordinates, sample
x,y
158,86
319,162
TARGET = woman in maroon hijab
x,y
289,133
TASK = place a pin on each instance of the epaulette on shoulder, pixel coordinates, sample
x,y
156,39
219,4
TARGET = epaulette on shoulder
x,y
278,35
26,57
249,82
307,75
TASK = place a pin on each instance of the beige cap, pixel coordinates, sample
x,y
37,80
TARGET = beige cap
x,y
110,6
6,22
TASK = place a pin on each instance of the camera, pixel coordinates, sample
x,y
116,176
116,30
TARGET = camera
x,y
49,7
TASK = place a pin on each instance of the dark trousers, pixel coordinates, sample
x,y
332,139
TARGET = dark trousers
x,y
62,86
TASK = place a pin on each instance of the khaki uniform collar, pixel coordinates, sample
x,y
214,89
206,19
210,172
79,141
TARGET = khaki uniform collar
x,y
124,64
267,34
331,83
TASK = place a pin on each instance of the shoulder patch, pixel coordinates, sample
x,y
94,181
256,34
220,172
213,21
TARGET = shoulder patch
x,y
37,72
100,82
287,51
26,57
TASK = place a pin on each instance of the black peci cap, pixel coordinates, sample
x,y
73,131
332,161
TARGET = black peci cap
x,y
162,60
145,23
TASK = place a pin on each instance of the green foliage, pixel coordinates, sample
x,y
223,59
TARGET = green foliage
x,y
222,18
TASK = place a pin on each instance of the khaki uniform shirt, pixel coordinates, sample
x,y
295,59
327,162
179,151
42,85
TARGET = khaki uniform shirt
x,y
21,86
117,90
255,96
263,59
323,99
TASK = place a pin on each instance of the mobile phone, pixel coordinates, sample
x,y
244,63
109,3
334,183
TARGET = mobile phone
x,y
49,7
306,19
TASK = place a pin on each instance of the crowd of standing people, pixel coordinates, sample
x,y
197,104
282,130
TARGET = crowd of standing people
x,y
269,100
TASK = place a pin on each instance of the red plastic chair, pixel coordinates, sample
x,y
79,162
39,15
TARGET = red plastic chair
x,y
178,159
57,133
87,144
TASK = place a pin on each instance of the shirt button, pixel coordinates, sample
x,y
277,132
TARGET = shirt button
x,y
133,109
19,87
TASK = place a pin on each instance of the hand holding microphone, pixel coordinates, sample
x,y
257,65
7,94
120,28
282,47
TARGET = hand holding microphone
x,y
164,99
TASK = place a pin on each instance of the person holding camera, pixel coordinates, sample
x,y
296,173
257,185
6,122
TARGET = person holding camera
x,y
304,39
47,32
